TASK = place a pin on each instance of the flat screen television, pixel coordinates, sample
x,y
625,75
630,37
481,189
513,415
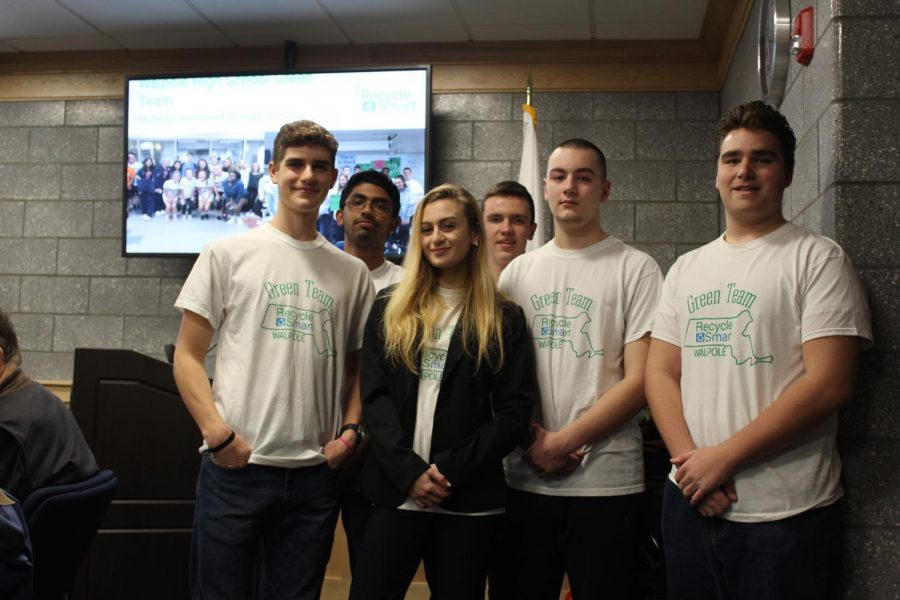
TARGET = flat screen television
x,y
224,123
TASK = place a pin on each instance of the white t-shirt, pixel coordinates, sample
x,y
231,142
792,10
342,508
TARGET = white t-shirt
x,y
287,312
268,193
415,187
740,314
187,187
171,190
386,274
204,189
583,307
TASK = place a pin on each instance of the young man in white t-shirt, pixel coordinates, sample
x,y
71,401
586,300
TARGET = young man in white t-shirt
x,y
282,414
369,213
589,300
754,351
508,213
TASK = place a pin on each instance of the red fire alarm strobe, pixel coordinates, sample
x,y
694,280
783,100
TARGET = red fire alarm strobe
x,y
803,35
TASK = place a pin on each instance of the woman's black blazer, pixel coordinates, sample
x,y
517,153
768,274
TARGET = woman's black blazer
x,y
481,415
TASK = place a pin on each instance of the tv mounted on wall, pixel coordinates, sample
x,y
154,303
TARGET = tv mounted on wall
x,y
222,123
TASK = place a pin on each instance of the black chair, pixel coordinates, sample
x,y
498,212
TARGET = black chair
x,y
63,520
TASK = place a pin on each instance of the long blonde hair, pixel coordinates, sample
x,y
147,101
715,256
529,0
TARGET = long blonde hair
x,y
416,305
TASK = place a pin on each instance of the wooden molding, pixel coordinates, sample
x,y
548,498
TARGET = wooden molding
x,y
63,389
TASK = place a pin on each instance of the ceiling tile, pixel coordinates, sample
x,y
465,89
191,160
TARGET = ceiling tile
x,y
478,13
39,18
648,31
139,17
233,15
387,35
552,31
395,14
151,41
648,11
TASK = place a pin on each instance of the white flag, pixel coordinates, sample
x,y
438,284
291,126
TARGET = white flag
x,y
530,173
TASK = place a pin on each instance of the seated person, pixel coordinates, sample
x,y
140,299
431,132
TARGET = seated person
x,y
16,564
40,443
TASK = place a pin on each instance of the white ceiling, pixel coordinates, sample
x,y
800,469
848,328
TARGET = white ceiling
x,y
72,25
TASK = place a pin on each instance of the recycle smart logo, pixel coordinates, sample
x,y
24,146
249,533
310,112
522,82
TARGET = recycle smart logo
x,y
398,100
563,332
723,337
300,325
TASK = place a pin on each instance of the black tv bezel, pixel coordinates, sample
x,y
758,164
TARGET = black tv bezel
x,y
426,176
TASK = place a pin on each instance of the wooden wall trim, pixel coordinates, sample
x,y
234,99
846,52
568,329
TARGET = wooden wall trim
x,y
63,389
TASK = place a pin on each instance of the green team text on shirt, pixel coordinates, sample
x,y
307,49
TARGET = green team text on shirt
x,y
570,297
292,288
735,295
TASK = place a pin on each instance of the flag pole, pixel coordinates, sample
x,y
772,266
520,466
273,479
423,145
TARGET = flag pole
x,y
529,168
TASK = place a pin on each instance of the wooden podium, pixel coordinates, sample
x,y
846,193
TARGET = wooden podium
x,y
129,409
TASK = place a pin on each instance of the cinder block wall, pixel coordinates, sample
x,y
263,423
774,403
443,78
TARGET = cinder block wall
x,y
660,149
64,282
62,276
845,109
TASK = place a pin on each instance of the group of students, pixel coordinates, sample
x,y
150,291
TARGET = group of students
x,y
484,402
186,189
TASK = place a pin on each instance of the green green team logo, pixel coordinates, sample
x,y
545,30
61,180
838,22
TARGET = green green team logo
x,y
561,332
723,337
300,325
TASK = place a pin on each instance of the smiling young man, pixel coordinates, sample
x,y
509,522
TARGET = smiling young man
x,y
589,299
754,351
508,211
281,416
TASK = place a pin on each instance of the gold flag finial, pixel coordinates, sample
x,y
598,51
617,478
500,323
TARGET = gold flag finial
x,y
528,89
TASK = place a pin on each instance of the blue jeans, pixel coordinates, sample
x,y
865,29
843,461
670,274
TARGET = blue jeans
x,y
288,514
707,557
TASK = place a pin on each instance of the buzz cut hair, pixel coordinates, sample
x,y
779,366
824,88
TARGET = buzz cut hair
x,y
583,144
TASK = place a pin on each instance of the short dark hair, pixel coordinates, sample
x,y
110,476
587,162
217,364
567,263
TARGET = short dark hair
x,y
9,342
758,116
510,188
375,178
583,144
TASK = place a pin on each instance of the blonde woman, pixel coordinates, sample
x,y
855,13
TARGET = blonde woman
x,y
447,382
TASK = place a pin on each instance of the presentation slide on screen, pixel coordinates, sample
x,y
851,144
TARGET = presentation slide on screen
x,y
246,106
378,117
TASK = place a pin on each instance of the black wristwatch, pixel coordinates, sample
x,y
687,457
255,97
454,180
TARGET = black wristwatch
x,y
355,428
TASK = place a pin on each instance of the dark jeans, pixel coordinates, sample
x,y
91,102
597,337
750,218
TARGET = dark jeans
x,y
711,558
289,514
592,539
454,549
355,509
